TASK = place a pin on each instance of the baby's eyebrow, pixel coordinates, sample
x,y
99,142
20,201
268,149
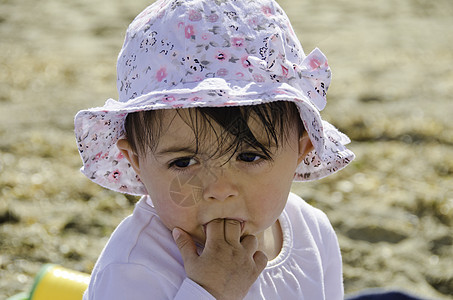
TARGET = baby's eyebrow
x,y
175,149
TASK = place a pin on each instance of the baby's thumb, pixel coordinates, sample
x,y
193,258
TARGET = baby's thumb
x,y
260,260
185,244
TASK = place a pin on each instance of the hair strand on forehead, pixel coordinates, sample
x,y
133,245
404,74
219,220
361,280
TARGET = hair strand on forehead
x,y
230,126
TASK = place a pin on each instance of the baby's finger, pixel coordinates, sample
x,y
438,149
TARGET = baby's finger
x,y
215,231
250,243
232,231
185,245
260,261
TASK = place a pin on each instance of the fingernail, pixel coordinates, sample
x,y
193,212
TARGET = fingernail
x,y
232,221
176,233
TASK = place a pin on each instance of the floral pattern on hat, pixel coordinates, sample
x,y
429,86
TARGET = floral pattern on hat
x,y
195,53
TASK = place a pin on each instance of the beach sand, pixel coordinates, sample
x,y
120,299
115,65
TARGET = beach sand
x,y
391,93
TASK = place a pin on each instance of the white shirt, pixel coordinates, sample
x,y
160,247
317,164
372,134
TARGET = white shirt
x,y
141,260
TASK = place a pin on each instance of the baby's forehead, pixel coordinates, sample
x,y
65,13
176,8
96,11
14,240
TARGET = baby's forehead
x,y
189,127
188,122
176,125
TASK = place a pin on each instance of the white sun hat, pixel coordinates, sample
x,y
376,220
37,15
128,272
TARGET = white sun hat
x,y
195,53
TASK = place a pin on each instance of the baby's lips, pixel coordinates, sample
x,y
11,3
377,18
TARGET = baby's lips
x,y
242,222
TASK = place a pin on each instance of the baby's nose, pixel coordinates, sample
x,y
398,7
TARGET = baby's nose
x,y
220,184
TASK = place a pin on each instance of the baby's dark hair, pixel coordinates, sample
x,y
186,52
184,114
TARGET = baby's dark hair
x,y
278,118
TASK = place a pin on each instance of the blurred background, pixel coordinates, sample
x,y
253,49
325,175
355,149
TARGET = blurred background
x,y
391,93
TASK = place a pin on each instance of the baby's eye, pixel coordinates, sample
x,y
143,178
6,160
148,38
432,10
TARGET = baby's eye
x,y
249,157
183,162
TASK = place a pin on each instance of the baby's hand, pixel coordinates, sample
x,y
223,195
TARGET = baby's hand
x,y
228,267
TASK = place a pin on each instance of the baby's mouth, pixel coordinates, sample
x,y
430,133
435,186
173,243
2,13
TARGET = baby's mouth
x,y
242,222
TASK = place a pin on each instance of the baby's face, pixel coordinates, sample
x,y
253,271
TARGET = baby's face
x,y
190,188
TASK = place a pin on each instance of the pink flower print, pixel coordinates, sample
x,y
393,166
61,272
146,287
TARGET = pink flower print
x,y
258,78
194,15
115,176
245,62
285,71
205,36
161,74
280,92
120,156
97,156
196,98
237,42
239,75
190,32
197,78
221,55
253,21
222,72
266,10
314,63
212,18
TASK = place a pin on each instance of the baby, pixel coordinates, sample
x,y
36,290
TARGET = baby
x,y
218,114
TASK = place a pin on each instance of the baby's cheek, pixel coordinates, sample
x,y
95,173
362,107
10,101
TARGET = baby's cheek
x,y
186,190
173,215
269,203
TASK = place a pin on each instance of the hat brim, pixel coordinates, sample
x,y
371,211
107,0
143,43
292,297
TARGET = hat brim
x,y
98,129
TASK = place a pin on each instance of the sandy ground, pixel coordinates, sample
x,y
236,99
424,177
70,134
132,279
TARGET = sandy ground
x,y
391,92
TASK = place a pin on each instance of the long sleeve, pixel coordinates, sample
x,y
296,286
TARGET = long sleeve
x,y
134,281
333,271
190,290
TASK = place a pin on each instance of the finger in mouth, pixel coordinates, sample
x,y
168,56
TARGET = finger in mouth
x,y
242,223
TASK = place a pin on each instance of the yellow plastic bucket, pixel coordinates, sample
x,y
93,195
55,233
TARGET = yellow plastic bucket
x,y
54,282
